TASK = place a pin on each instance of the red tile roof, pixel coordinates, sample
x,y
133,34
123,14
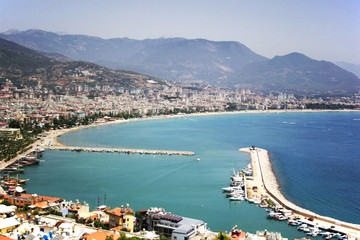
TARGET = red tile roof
x,y
121,211
101,236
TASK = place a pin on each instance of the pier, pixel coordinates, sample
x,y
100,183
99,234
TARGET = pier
x,y
261,164
121,150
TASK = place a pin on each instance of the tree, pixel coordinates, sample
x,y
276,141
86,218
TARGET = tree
x,y
14,124
222,236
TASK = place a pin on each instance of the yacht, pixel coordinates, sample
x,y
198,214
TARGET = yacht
x,y
230,189
237,198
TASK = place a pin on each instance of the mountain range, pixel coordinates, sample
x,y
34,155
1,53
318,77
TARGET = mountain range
x,y
223,64
26,66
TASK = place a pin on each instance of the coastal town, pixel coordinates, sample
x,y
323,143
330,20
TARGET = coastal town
x,y
48,115
179,120
38,104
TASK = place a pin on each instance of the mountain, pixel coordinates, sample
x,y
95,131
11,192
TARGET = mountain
x,y
354,68
222,64
296,72
25,66
178,59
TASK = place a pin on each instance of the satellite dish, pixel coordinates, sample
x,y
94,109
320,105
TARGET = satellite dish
x,y
19,189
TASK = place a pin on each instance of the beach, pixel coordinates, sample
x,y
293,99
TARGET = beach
x,y
264,171
266,179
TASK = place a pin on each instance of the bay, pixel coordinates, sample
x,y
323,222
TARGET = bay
x,y
315,157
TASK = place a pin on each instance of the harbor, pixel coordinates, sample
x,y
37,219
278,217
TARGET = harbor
x,y
263,185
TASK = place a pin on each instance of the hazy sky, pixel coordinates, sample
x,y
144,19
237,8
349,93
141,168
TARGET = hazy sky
x,y
321,29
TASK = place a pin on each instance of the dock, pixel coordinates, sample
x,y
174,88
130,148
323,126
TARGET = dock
x,y
121,150
268,184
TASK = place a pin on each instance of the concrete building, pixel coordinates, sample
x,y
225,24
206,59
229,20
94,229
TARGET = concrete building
x,y
10,133
123,217
172,226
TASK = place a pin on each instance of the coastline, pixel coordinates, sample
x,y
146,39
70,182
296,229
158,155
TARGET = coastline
x,y
57,133
263,173
54,134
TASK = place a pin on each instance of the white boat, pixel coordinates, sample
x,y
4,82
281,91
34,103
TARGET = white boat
x,y
237,198
302,226
257,201
273,214
230,189
281,218
234,193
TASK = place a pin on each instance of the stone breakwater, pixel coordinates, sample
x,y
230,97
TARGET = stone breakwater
x,y
122,150
261,164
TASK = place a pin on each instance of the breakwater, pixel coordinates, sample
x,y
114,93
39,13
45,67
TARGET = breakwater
x,y
122,150
261,163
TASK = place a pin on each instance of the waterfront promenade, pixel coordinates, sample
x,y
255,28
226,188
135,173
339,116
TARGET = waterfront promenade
x,y
262,166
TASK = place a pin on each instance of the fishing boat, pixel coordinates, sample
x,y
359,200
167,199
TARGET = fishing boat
x,y
236,179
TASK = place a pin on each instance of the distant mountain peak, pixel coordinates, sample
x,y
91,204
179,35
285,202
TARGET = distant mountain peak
x,y
11,31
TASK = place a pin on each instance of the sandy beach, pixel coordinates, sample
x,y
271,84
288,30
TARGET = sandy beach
x,y
263,173
266,179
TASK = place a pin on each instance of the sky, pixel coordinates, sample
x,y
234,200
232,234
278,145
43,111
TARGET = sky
x,y
321,29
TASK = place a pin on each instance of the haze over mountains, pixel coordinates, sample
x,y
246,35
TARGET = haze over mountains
x,y
26,66
222,64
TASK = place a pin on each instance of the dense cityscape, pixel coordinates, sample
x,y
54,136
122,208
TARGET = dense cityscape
x,y
39,104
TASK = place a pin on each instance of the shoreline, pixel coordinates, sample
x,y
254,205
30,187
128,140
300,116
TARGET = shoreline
x,y
263,173
61,132
52,137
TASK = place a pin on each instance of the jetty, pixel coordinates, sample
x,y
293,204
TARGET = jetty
x,y
120,150
269,186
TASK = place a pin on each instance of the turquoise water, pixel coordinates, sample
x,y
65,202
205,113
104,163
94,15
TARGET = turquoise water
x,y
315,157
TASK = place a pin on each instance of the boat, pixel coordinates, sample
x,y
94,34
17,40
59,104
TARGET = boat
x,y
273,214
257,201
10,169
302,226
236,179
237,198
230,189
263,205
331,235
325,234
294,223
281,218
235,192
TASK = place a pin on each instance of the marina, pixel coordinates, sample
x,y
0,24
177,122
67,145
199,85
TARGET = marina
x,y
268,188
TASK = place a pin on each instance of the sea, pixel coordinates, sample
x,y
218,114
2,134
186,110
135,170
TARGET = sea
x,y
315,156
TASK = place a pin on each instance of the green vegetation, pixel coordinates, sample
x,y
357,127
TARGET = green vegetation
x,y
329,106
123,237
222,236
99,224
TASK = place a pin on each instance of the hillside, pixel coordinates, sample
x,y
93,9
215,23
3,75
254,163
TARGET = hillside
x,y
296,72
26,66
221,64
178,59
